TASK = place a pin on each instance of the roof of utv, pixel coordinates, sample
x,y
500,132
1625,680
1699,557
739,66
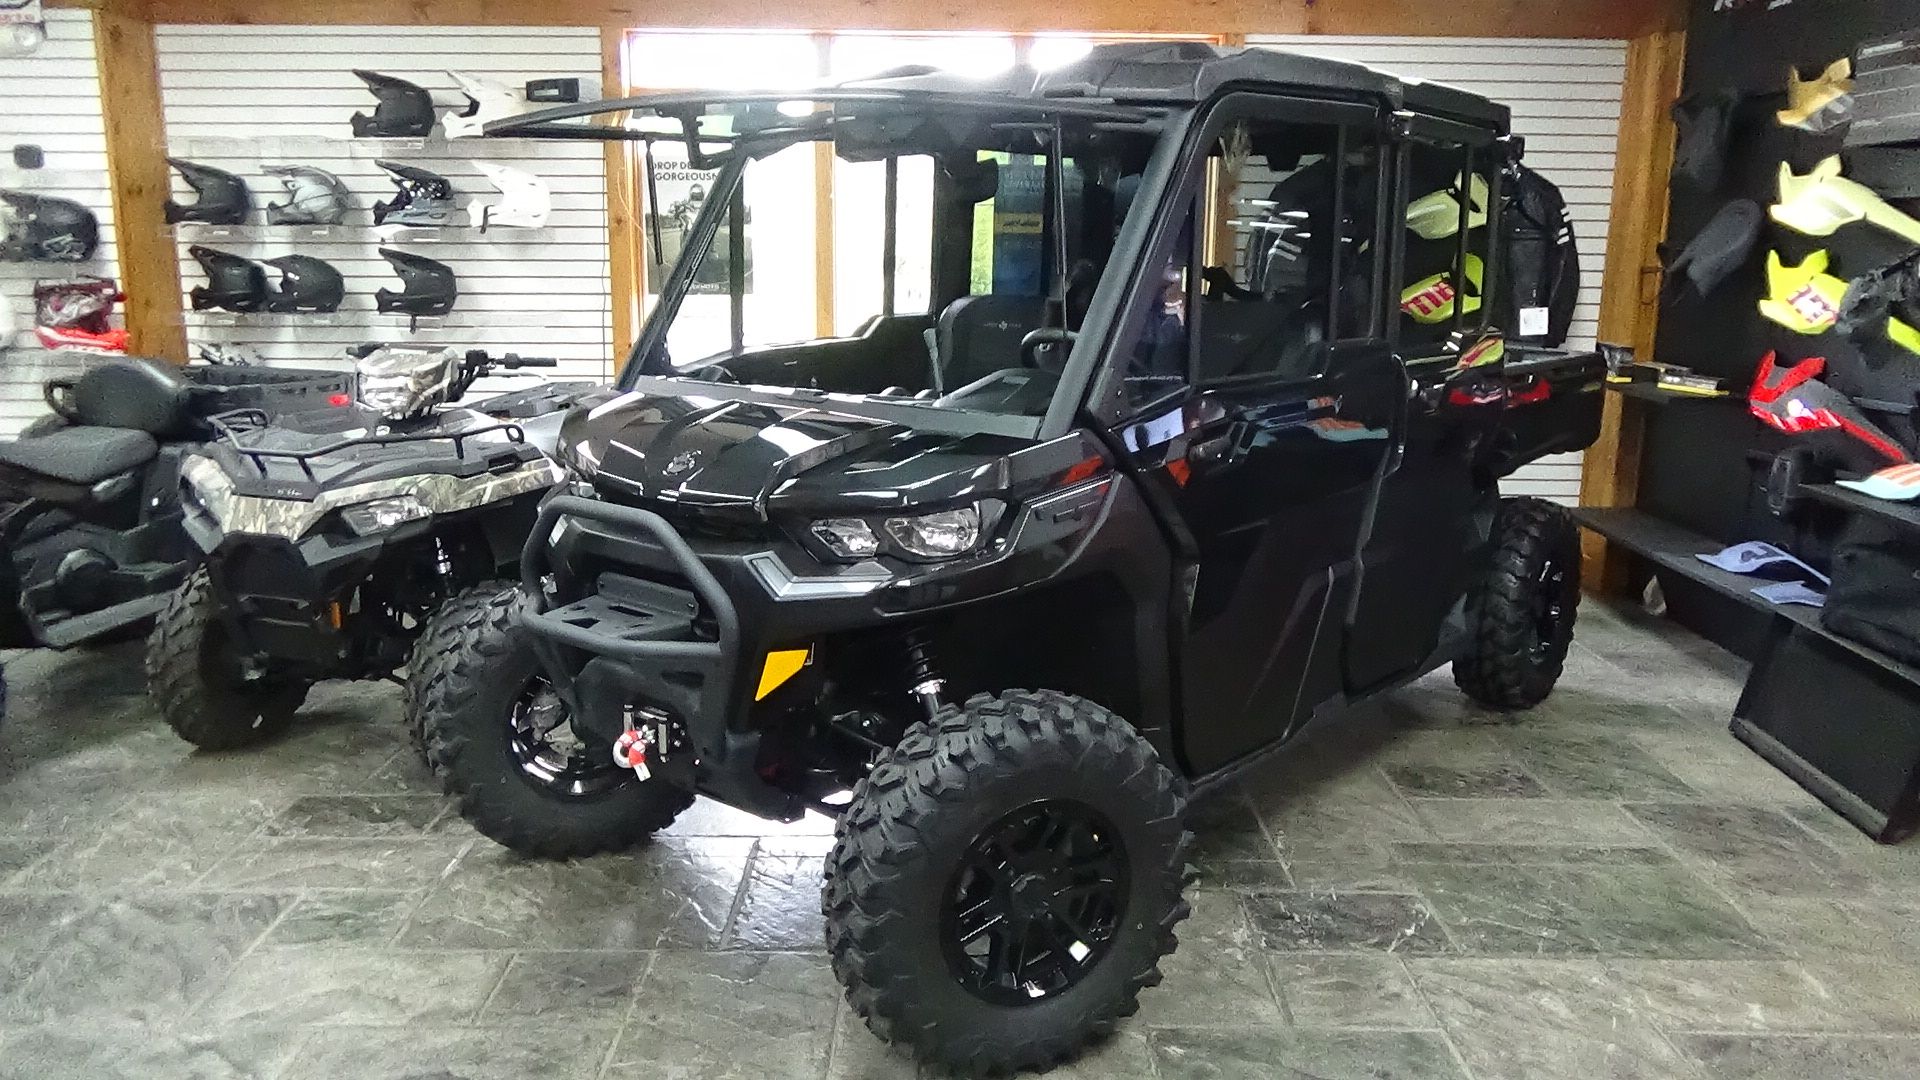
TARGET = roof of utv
x,y
1133,79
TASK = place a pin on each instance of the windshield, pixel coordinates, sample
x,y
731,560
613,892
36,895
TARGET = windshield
x,y
933,254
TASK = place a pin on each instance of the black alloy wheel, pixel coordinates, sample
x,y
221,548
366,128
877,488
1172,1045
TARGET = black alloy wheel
x,y
550,755
1035,902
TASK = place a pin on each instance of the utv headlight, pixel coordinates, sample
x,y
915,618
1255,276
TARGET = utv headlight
x,y
849,538
380,515
398,383
939,535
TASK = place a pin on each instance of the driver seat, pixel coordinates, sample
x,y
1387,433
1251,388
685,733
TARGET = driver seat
x,y
979,335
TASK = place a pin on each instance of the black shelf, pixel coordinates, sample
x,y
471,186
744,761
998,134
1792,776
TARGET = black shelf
x,y
1647,391
1905,515
1672,548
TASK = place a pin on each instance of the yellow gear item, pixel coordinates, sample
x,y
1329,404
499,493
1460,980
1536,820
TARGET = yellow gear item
x,y
1488,350
1805,298
1806,98
1818,203
1431,299
781,665
1436,216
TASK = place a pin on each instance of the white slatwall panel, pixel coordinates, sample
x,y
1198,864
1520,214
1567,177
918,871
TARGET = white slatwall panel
x,y
1565,96
50,99
239,97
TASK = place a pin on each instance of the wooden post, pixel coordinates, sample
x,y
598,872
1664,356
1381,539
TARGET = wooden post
x,y
626,246
1630,286
823,253
137,175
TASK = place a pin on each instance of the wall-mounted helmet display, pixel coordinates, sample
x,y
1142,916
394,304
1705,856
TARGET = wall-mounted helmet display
x,y
427,286
487,99
405,110
223,198
306,284
421,198
314,196
42,228
234,283
524,199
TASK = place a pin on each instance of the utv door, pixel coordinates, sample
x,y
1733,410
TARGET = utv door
x,y
1269,456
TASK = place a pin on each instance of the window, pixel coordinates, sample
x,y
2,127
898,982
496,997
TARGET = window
x,y
1290,252
1450,188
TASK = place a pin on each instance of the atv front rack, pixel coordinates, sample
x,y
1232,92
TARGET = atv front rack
x,y
643,637
304,458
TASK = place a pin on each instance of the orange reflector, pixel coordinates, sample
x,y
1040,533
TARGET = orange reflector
x,y
333,615
781,665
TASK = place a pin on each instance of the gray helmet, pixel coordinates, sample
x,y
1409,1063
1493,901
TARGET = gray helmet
x,y
314,196
43,228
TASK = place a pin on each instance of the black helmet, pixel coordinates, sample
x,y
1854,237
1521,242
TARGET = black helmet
x,y
428,286
405,110
233,283
422,198
41,228
314,196
223,197
306,284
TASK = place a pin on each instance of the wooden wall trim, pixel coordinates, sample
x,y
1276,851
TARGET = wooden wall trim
x,y
1630,286
626,253
137,176
1491,18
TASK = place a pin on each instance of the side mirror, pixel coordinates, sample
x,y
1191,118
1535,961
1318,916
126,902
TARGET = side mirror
x,y
1046,336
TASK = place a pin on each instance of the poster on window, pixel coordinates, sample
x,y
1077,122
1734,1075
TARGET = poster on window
x,y
680,193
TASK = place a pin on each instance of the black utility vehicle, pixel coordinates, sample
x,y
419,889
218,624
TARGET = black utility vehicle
x,y
1169,437
328,536
90,535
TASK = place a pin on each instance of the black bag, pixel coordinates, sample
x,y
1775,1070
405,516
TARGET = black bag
x,y
1542,266
1875,595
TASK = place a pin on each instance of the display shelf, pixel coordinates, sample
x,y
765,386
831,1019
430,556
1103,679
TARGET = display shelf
x,y
1647,391
1673,548
1904,515
198,232
269,318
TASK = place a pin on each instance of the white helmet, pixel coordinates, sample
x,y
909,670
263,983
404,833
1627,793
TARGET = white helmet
x,y
486,100
524,199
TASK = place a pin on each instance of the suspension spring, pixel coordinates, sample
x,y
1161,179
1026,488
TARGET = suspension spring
x,y
923,674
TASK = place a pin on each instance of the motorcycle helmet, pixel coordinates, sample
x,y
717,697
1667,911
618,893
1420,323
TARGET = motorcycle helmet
x,y
314,197
1436,216
427,286
77,315
223,198
405,110
233,283
422,197
524,199
306,284
486,100
41,228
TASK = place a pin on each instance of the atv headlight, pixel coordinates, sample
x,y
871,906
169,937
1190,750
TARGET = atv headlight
x,y
383,514
942,534
399,383
849,538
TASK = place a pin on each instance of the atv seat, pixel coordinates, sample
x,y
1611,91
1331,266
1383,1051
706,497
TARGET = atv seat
x,y
149,396
978,335
80,455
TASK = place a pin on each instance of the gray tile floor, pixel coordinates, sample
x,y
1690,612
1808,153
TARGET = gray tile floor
x,y
1609,886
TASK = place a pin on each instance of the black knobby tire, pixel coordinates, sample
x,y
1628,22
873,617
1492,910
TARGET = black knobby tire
x,y
431,656
465,704
1522,608
192,676
915,818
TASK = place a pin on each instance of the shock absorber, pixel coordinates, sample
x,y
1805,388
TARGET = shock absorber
x,y
923,676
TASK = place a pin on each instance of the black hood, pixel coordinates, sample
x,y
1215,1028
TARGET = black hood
x,y
747,458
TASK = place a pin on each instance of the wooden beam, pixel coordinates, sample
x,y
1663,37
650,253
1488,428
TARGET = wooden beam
x,y
1630,285
137,175
823,253
626,260
1492,18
